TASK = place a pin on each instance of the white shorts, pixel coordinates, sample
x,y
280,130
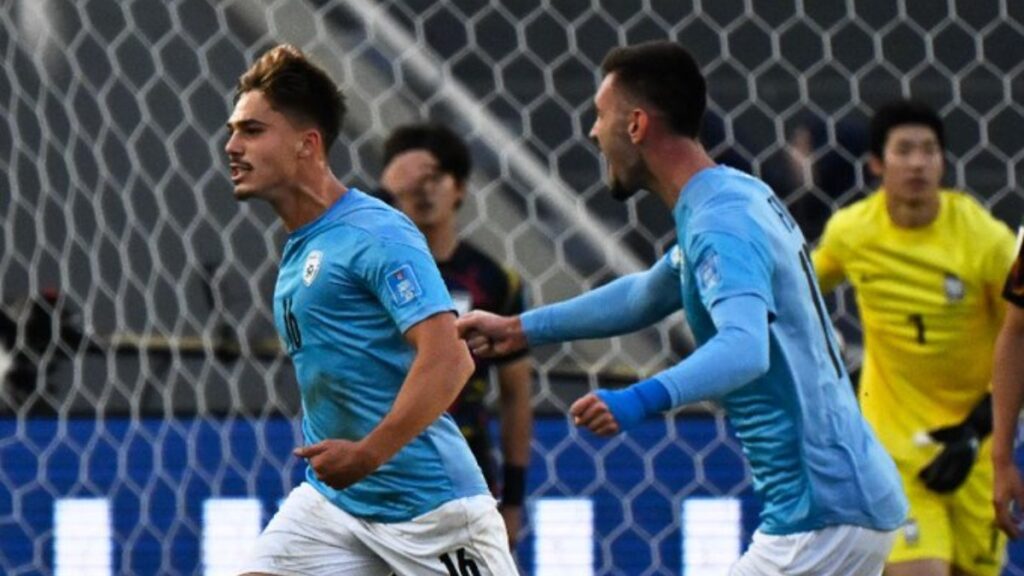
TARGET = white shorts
x,y
310,536
833,551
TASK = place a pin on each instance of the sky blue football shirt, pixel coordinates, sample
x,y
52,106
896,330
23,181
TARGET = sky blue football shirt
x,y
814,459
350,284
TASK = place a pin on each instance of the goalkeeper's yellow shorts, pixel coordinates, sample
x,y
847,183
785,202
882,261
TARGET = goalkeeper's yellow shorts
x,y
958,528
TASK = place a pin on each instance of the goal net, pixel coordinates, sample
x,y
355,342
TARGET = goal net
x,y
147,413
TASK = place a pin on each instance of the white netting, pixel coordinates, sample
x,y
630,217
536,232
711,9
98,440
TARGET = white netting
x,y
140,290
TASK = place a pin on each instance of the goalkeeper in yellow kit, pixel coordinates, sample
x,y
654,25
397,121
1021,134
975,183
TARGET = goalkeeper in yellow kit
x,y
928,266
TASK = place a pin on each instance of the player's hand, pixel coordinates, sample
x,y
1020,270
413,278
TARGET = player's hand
x,y
950,468
489,335
513,517
1008,499
592,413
338,463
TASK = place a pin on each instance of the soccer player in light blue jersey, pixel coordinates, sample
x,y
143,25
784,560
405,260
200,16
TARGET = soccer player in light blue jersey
x,y
391,485
766,351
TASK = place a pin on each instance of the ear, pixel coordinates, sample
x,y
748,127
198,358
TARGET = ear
x,y
308,144
639,122
875,165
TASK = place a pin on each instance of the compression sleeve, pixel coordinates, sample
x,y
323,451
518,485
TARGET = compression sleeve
x,y
624,305
736,355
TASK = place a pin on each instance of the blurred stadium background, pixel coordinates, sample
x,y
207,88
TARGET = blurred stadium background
x,y
146,411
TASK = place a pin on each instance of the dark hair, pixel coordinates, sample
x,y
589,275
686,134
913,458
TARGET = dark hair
x,y
298,88
664,75
451,151
902,113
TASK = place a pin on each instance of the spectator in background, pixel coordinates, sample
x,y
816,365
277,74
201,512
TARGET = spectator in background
x,y
838,170
809,174
927,265
426,170
790,170
715,138
49,330
8,339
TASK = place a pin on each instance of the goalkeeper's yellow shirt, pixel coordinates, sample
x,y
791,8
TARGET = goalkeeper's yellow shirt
x,y
930,307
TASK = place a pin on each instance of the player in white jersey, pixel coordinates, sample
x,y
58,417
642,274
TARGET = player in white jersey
x,y
766,351
391,485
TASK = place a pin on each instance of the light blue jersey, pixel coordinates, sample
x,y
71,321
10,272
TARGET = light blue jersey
x,y
351,283
815,461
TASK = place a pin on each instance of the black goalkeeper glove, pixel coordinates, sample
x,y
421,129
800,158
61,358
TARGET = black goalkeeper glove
x,y
960,449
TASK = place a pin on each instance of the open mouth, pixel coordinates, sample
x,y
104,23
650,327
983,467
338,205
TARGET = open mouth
x,y
238,171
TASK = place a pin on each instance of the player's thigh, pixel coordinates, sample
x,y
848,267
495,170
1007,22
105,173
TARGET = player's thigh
x,y
927,534
979,546
464,537
304,538
833,551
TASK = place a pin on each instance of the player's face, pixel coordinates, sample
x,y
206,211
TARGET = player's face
x,y
611,133
262,149
428,196
911,165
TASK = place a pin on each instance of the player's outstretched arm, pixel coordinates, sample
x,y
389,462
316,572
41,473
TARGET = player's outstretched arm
x,y
621,306
1007,399
438,372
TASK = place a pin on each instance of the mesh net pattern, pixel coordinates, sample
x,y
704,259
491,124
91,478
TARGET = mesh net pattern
x,y
140,290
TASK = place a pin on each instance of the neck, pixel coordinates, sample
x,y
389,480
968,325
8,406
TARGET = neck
x,y
912,214
442,239
306,201
672,164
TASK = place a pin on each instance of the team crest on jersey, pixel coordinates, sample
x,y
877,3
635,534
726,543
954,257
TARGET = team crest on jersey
x,y
955,289
403,285
675,257
312,267
911,532
707,272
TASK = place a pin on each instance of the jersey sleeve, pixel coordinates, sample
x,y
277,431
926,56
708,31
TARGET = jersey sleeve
x,y
828,265
405,280
725,265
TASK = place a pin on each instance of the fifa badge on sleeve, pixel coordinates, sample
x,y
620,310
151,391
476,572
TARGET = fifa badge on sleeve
x,y
403,285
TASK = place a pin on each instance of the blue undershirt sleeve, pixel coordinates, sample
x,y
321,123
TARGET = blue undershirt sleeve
x,y
736,355
624,305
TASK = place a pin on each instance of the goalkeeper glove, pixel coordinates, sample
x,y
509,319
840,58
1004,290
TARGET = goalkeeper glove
x,y
960,449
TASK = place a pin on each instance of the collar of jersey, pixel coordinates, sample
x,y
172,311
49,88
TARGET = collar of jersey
x,y
329,215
